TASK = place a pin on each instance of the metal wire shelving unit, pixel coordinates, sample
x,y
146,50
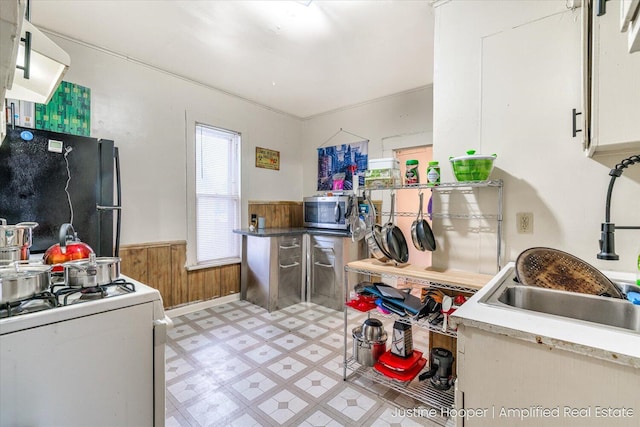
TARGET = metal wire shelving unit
x,y
421,391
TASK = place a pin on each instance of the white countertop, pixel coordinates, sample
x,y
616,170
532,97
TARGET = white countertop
x,y
612,344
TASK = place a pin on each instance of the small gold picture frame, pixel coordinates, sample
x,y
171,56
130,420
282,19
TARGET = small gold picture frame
x,y
267,159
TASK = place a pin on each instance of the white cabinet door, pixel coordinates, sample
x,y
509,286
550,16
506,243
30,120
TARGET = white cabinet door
x,y
11,13
615,86
505,381
630,21
91,371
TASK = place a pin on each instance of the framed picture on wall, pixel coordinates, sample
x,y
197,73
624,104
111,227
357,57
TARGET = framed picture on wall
x,y
267,159
340,164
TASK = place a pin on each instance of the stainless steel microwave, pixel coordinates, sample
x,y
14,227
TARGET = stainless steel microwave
x,y
326,212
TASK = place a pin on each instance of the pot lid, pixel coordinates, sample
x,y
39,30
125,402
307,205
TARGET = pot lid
x,y
471,155
107,260
373,322
17,270
5,226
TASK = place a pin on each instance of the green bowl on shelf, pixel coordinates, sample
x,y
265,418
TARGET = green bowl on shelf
x,y
472,167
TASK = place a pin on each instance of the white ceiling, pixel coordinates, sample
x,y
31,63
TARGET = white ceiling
x,y
302,60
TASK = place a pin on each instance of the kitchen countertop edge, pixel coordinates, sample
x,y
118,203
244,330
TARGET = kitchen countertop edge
x,y
292,231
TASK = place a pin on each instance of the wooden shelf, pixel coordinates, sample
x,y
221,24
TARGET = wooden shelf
x,y
451,278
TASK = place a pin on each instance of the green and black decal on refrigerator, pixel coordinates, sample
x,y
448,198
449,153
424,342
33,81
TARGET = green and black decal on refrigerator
x,y
69,111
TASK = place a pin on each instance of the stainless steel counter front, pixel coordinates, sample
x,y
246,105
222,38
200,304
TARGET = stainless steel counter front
x,y
282,266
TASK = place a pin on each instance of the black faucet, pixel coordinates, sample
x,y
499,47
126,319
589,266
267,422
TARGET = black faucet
x,y
607,239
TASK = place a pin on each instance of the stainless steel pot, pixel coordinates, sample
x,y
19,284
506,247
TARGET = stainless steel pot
x,y
11,254
22,281
16,239
107,269
81,273
91,272
366,352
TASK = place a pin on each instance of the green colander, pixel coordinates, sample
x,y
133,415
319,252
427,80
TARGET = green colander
x,y
472,167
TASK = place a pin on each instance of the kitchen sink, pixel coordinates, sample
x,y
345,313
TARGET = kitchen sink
x,y
626,287
610,312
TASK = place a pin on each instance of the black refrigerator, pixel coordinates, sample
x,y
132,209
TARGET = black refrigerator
x,y
54,178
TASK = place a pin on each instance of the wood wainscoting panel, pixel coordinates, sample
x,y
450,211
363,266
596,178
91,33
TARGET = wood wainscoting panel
x,y
230,279
203,284
133,262
277,214
159,272
180,294
161,265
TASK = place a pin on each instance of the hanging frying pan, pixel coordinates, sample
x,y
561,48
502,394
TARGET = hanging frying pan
x,y
393,240
414,228
423,233
373,237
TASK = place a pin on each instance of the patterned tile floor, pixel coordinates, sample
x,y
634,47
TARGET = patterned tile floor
x,y
238,365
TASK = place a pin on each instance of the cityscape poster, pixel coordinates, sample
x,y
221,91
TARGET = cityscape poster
x,y
347,159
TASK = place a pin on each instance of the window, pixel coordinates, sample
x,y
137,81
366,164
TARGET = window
x,y
217,185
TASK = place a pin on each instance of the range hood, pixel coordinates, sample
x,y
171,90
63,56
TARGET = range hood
x,y
47,64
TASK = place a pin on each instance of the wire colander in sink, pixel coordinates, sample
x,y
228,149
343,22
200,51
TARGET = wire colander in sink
x,y
555,269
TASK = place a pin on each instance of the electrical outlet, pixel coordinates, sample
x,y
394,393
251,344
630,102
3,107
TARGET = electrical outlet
x,y
524,221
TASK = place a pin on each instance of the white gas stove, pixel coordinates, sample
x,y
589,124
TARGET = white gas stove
x,y
71,352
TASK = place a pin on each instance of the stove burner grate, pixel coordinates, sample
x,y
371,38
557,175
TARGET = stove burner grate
x,y
42,301
90,293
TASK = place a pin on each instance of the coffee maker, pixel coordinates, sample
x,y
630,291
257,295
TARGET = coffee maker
x,y
440,372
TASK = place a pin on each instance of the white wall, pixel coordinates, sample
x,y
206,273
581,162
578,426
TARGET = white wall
x,y
144,111
507,75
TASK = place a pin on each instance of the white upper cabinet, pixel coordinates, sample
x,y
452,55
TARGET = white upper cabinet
x,y
615,83
11,14
630,22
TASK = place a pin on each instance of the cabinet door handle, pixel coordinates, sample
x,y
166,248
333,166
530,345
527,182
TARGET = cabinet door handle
x,y
323,265
575,122
601,7
26,68
290,265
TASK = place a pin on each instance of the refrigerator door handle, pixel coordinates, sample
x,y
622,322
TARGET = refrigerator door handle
x,y
117,207
116,157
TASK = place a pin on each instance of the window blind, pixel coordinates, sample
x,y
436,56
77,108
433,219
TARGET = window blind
x,y
217,194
